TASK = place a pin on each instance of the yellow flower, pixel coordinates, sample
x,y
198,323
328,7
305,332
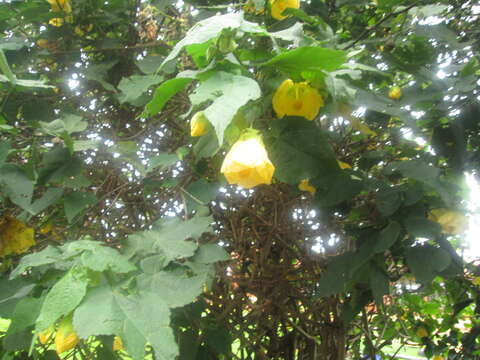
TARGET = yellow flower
x,y
297,99
57,22
421,332
60,5
117,344
66,338
279,6
199,125
395,93
45,336
247,163
343,165
306,186
452,222
476,281
437,357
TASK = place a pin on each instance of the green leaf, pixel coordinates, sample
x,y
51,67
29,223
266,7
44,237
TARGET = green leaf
x,y
174,288
57,165
4,150
10,293
25,313
422,227
136,319
50,197
161,161
387,237
427,261
169,238
99,72
206,146
135,86
210,28
379,283
16,185
308,58
69,124
63,298
228,93
49,255
210,253
76,202
301,151
165,92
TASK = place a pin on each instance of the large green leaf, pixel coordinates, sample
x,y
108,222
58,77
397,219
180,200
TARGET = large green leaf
x,y
16,185
63,297
210,28
228,93
301,151
170,238
25,314
135,86
49,255
138,320
308,59
427,261
387,237
76,202
163,93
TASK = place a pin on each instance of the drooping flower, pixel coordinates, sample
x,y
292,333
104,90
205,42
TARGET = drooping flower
x,y
297,99
117,344
395,93
45,336
279,6
61,5
305,185
66,338
247,163
452,222
199,125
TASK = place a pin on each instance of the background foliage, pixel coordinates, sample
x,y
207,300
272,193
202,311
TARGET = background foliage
x,y
113,216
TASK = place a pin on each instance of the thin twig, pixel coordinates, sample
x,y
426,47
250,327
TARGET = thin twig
x,y
303,332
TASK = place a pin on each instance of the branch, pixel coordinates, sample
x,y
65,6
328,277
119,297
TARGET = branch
x,y
125,48
366,32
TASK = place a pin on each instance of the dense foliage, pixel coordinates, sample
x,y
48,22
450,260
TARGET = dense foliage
x,y
126,127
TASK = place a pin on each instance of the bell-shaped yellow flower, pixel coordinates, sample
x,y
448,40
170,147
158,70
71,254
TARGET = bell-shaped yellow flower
x,y
199,125
343,165
57,22
306,186
247,163
45,336
279,6
61,5
117,344
395,93
66,338
297,99
452,222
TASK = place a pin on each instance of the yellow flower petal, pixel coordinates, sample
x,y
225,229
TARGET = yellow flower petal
x,y
247,164
15,236
199,125
343,165
452,222
45,336
421,332
117,344
279,6
306,186
61,5
57,22
395,93
297,99
65,338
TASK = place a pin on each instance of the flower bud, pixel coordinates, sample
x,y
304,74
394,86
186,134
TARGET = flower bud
x,y
199,125
395,93
306,186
